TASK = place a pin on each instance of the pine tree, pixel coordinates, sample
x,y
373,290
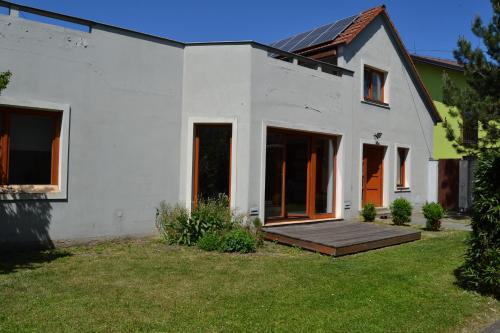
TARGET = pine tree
x,y
477,105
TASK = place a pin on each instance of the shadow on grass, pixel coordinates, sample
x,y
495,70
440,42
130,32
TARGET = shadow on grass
x,y
12,262
24,231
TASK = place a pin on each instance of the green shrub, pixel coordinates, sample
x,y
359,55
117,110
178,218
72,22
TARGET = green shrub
x,y
369,212
212,214
401,211
257,223
481,270
210,241
433,213
178,227
170,220
238,240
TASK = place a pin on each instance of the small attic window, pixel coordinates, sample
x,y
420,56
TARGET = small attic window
x,y
373,85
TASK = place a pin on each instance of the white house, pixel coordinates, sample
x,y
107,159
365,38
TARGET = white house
x,y
99,124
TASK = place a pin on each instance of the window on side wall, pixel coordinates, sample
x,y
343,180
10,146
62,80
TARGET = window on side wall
x,y
402,168
374,81
29,148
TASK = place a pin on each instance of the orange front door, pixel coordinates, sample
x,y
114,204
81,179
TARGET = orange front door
x,y
373,174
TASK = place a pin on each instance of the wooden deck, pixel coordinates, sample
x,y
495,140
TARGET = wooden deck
x,y
340,238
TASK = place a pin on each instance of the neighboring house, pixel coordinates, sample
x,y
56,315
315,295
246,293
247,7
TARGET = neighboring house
x,y
99,126
455,170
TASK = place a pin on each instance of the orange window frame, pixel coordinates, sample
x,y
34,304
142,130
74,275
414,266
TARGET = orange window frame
x,y
372,72
196,160
311,178
5,114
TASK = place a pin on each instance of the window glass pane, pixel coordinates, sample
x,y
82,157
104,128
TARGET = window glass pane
x,y
401,160
324,175
275,155
367,80
377,87
214,160
30,150
297,158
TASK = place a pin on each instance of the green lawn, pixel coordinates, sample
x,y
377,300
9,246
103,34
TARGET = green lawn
x,y
148,286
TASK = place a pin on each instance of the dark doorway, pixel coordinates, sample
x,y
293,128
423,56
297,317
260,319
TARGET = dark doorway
x,y
212,161
448,183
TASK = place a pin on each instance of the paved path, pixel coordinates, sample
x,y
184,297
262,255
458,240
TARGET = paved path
x,y
446,223
449,223
495,328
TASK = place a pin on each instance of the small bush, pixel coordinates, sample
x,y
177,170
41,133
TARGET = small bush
x,y
257,223
178,227
433,213
401,211
170,221
210,241
212,214
369,212
238,240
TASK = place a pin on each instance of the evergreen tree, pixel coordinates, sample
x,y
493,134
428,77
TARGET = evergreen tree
x,y
477,105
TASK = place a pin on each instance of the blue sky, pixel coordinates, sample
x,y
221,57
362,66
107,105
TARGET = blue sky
x,y
429,26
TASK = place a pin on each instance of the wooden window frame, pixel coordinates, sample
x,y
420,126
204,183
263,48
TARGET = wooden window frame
x,y
382,76
403,160
311,180
196,160
5,114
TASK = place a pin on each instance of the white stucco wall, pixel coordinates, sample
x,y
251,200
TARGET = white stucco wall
x,y
405,123
125,95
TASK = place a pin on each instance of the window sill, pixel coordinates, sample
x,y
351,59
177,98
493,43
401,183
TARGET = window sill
x,y
33,192
402,189
375,103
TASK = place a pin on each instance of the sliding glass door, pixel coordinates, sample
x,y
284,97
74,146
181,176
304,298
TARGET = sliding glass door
x,y
300,175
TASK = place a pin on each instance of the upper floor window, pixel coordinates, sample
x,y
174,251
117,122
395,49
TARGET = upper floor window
x,y
374,81
29,146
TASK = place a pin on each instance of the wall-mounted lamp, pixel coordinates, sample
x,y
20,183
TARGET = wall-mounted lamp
x,y
377,136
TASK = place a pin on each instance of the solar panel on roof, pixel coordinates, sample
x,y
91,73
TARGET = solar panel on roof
x,y
280,43
311,37
315,36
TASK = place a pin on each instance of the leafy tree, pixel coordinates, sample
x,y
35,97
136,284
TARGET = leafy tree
x,y
481,270
4,80
477,105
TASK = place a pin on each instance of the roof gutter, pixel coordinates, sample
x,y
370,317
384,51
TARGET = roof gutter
x,y
93,24
276,51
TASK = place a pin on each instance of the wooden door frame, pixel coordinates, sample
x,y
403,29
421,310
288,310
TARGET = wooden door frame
x,y
310,177
313,160
196,160
364,171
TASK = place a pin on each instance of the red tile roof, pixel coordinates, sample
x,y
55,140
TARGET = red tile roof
x,y
358,25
